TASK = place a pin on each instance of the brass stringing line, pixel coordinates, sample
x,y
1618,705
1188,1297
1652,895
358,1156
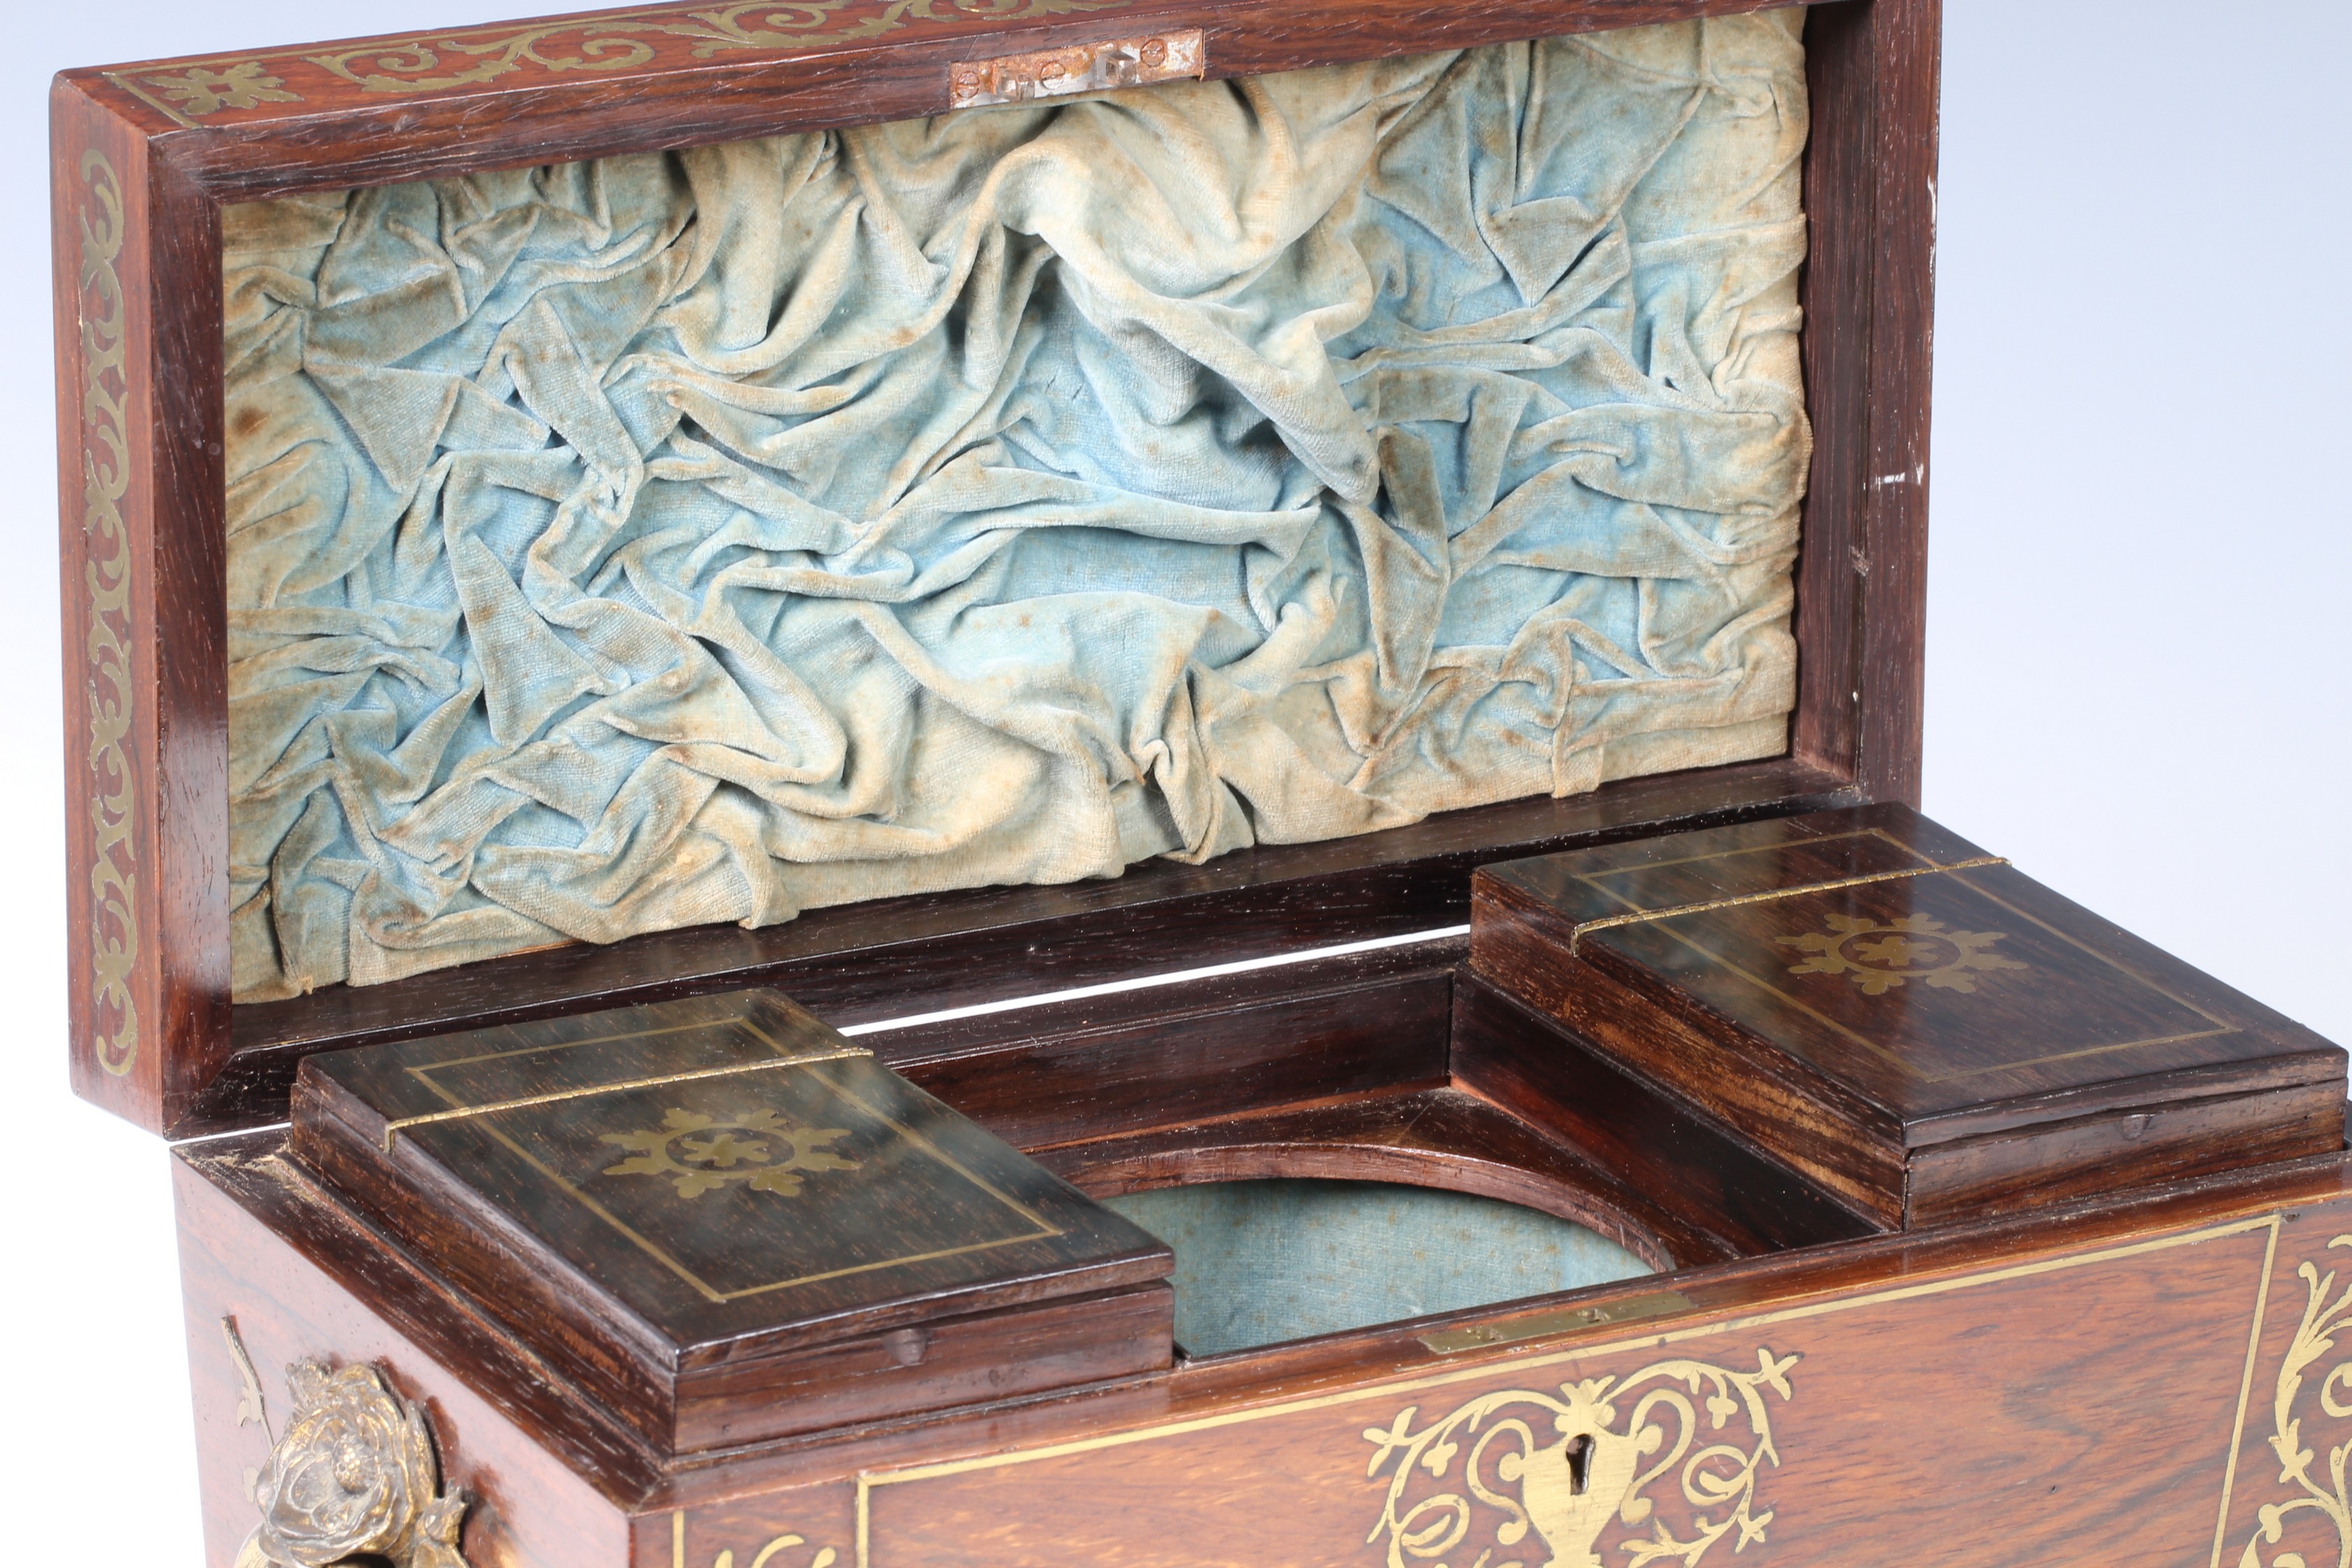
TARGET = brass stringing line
x,y
528,1101
422,1070
1576,934
2246,1388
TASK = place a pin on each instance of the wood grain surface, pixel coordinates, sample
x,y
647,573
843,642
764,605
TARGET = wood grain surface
x,y
1869,300
1927,1033
727,1222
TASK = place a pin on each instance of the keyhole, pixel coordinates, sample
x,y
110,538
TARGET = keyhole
x,y
1580,1462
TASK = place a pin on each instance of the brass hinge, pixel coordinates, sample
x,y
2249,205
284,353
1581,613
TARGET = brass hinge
x,y
1083,68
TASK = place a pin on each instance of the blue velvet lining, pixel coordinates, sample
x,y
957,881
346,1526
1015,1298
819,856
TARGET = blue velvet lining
x,y
1260,1262
1007,497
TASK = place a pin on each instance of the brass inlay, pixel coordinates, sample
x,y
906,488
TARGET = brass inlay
x,y
1540,1325
1894,1058
823,1557
1605,922
105,480
555,1097
425,63
1569,1489
252,1409
1894,957
738,1149
242,86
1040,1230
868,1481
2245,1390
1085,68
2326,1314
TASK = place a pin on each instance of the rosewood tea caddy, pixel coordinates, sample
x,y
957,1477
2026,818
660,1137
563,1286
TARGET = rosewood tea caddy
x,y
632,579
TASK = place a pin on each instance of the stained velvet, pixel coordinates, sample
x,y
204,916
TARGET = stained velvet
x,y
1007,497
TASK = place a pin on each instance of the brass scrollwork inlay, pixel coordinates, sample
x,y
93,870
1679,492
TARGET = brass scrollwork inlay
x,y
778,1551
1569,1489
436,64
248,89
418,65
106,478
2326,1312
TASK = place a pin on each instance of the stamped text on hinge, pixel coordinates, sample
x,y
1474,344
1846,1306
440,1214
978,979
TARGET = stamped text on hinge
x,y
1083,68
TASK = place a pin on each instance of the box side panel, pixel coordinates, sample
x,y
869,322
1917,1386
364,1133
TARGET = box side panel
x,y
2012,1172
260,1300
1869,300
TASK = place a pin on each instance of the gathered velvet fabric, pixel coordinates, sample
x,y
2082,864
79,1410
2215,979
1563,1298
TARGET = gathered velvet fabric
x,y
1007,497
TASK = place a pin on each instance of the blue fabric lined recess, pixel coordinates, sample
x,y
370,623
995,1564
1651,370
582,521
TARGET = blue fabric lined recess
x,y
1260,1262
1008,496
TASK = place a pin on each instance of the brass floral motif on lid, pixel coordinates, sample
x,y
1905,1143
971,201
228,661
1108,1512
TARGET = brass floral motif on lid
x,y
1912,947
702,1153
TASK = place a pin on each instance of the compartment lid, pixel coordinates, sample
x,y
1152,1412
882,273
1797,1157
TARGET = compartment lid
x,y
1867,975
649,1190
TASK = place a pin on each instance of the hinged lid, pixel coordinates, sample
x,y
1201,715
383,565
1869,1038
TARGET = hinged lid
x,y
1912,1021
727,1222
149,164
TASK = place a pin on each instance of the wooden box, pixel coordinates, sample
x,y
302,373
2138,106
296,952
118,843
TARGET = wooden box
x,y
727,1224
2111,1281
1915,1024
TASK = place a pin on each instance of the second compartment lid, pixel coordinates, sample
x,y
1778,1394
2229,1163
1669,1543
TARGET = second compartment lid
x,y
715,1179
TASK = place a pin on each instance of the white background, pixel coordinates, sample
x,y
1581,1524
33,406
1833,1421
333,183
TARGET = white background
x,y
2138,626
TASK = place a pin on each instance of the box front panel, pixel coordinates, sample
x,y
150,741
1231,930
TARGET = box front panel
x,y
2086,1409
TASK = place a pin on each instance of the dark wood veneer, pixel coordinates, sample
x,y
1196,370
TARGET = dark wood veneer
x,y
905,1260
1974,1041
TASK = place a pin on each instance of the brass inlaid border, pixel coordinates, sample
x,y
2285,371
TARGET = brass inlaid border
x,y
2245,1390
1510,1366
430,63
1576,932
1043,1229
2221,1027
111,691
1496,1332
422,1072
